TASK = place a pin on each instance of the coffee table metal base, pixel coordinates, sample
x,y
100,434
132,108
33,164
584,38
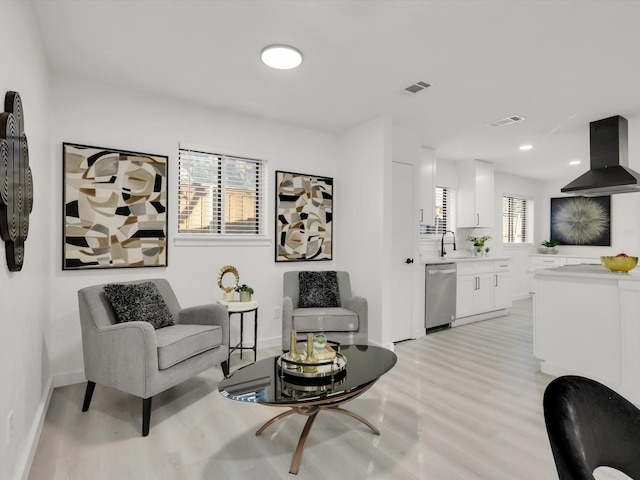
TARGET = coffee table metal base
x,y
311,410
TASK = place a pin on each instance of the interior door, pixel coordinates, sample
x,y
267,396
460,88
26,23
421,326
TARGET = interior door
x,y
402,227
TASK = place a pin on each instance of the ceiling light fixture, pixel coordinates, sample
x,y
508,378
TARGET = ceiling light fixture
x,y
574,162
526,147
282,57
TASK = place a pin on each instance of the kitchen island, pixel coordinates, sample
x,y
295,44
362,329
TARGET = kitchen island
x,y
586,321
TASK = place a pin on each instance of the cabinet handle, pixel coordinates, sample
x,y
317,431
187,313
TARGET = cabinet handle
x,y
477,283
477,219
496,279
422,215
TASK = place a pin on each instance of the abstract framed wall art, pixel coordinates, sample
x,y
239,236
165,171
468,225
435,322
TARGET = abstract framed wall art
x,y
581,220
304,217
115,208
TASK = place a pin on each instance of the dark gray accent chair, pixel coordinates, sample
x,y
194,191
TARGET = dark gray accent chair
x,y
135,358
589,426
347,324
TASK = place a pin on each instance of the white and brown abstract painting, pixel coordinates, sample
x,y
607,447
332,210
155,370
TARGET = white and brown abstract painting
x,y
304,217
115,208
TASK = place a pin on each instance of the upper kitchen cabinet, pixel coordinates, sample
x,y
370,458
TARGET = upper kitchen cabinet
x,y
475,194
427,186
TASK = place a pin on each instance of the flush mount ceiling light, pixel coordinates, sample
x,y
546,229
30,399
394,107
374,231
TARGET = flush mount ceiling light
x,y
282,57
574,162
526,147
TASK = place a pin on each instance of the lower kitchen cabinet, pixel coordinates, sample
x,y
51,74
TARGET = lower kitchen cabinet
x,y
482,286
502,285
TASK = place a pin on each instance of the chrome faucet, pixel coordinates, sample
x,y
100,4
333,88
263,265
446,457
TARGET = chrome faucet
x,y
442,252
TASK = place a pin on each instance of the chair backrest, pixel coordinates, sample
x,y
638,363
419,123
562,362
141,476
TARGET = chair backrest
x,y
589,425
96,310
290,286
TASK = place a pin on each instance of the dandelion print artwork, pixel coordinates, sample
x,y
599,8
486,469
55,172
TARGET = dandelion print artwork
x,y
581,220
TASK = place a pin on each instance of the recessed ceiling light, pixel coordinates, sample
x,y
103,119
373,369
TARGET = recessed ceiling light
x,y
526,147
575,162
282,57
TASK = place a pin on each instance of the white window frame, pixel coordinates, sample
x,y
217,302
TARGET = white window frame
x,y
261,238
528,221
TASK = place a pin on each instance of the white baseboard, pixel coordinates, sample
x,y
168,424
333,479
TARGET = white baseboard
x,y
522,296
68,378
479,317
24,464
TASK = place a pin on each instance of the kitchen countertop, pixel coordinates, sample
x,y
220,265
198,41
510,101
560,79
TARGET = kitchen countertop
x,y
460,259
588,271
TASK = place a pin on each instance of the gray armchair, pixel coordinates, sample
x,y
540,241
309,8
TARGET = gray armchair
x,y
136,358
346,322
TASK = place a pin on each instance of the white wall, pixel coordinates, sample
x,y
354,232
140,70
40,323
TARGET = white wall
x,y
24,295
366,156
107,117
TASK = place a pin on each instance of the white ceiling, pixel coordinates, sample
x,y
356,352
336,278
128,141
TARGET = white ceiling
x,y
560,64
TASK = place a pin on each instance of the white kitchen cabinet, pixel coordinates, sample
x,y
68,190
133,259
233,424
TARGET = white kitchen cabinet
x,y
475,194
483,286
538,262
427,186
502,285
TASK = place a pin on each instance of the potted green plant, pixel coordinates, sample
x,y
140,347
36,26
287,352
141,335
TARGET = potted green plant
x,y
245,292
478,243
549,246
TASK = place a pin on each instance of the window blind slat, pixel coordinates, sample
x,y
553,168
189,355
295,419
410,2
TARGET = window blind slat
x,y
219,194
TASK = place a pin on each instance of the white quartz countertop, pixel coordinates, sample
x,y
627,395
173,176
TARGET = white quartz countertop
x,y
460,259
588,271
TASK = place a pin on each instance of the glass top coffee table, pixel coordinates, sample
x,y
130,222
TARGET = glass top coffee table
x,y
265,382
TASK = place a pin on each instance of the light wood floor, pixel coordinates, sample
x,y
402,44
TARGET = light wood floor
x,y
464,403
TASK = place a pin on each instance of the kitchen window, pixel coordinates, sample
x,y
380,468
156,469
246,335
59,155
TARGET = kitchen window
x,y
517,226
442,215
220,196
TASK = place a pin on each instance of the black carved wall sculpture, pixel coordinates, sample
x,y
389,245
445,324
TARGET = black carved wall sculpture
x,y
16,183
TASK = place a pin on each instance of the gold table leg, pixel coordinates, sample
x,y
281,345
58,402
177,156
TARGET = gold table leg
x,y
311,411
354,415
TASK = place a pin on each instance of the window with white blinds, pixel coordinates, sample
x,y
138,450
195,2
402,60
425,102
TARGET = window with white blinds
x,y
219,195
516,221
440,214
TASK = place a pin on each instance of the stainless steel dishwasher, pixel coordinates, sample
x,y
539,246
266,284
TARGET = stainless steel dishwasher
x,y
440,296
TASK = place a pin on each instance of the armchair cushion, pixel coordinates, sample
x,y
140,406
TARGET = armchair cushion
x,y
318,289
180,342
139,302
325,320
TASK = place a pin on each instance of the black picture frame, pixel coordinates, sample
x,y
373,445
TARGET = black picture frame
x,y
303,217
114,208
581,220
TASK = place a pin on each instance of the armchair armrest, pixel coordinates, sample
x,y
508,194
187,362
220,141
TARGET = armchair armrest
x,y
122,356
209,314
360,306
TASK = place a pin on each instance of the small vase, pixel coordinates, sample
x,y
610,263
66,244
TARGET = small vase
x,y
293,347
477,252
245,297
311,356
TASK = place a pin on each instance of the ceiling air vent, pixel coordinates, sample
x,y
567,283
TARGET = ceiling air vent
x,y
415,88
506,121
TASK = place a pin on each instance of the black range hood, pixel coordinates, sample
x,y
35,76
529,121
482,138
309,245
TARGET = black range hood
x,y
610,173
